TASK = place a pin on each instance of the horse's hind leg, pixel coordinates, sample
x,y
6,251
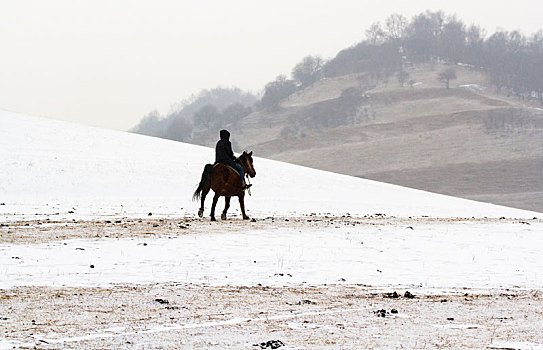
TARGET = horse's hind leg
x,y
205,191
215,199
226,206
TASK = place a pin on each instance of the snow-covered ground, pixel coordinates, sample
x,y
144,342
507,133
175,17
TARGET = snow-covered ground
x,y
61,171
313,229
430,255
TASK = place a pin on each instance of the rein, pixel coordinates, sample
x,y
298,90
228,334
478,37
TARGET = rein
x,y
246,174
248,182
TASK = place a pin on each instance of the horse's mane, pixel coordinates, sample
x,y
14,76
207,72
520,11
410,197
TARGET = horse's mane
x,y
245,154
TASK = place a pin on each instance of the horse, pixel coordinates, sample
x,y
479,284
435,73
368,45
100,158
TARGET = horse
x,y
226,182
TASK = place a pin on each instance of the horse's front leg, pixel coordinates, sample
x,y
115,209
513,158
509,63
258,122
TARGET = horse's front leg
x,y
205,191
242,205
215,199
226,206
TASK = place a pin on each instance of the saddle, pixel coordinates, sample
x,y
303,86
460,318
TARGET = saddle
x,y
233,169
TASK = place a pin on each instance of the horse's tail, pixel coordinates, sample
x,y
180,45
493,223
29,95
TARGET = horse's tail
x,y
204,182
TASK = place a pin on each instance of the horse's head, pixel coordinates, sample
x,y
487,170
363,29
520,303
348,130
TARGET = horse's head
x,y
246,160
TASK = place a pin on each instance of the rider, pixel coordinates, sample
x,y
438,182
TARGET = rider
x,y
224,155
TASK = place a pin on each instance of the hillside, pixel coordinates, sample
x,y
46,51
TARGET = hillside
x,y
53,167
465,141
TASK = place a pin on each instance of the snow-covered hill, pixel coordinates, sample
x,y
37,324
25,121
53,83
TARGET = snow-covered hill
x,y
51,167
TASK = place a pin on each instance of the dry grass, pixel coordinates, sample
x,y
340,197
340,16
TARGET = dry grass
x,y
412,129
42,231
199,316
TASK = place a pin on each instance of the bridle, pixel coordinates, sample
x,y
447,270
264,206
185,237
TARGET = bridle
x,y
247,165
249,169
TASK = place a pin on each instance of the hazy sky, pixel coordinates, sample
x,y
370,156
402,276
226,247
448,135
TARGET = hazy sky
x,y
110,62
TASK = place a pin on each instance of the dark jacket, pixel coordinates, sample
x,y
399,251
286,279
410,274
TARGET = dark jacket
x,y
223,149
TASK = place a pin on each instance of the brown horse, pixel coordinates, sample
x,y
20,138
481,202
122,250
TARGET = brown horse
x,y
224,181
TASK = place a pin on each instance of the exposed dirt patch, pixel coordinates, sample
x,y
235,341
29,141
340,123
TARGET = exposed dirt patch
x,y
199,316
42,231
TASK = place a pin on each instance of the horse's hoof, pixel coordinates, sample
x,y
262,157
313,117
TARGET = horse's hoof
x,y
201,212
246,218
213,218
223,217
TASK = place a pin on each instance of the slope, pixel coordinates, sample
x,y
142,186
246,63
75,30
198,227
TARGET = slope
x,y
53,167
465,141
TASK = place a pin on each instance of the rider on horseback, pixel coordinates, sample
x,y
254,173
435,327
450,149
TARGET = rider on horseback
x,y
224,155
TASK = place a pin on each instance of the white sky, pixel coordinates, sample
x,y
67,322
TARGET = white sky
x,y
109,62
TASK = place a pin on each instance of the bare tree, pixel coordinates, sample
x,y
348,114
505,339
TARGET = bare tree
x,y
178,129
396,26
446,76
423,35
375,34
233,113
475,38
276,91
498,60
402,77
206,116
452,44
308,70
150,125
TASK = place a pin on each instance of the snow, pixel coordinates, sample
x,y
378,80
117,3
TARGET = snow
x,y
474,87
459,326
7,345
516,346
169,328
445,255
53,167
